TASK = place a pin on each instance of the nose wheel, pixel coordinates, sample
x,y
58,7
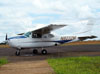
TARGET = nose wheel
x,y
44,52
17,53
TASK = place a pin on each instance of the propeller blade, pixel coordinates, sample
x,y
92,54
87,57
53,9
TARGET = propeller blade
x,y
6,38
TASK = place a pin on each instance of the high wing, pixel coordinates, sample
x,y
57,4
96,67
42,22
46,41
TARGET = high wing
x,y
47,29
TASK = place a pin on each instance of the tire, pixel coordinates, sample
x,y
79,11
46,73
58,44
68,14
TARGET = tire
x,y
17,53
35,51
44,52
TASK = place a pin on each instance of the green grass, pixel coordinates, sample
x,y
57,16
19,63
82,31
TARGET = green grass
x,y
3,61
76,65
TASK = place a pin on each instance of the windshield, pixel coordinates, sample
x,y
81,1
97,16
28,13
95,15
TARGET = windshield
x,y
27,34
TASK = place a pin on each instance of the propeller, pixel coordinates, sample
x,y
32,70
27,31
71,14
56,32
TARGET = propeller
x,y
6,38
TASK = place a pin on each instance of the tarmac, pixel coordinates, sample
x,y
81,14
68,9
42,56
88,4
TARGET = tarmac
x,y
28,63
53,52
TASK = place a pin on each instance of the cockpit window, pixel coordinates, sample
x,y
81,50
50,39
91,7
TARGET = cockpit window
x,y
34,35
27,34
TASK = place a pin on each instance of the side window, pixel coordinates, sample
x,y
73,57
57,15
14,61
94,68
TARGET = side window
x,y
48,36
45,37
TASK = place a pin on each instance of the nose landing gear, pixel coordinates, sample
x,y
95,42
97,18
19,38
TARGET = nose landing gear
x,y
17,53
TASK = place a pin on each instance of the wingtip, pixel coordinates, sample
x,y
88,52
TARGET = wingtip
x,y
93,36
59,24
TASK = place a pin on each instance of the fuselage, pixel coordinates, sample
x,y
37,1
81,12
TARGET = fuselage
x,y
22,41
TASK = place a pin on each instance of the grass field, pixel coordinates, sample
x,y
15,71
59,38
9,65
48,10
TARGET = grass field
x,y
76,65
3,61
4,46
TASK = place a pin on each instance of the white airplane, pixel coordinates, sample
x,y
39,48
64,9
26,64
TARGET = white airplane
x,y
41,38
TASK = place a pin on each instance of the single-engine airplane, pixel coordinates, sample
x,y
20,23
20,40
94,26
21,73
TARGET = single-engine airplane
x,y
41,38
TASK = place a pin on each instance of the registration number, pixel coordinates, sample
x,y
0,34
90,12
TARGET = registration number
x,y
68,37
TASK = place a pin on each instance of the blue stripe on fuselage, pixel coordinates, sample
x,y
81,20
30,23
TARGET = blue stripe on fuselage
x,y
17,37
63,41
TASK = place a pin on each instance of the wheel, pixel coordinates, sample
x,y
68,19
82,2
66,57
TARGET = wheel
x,y
44,52
35,51
17,53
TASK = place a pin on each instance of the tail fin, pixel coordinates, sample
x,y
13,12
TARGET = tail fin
x,y
88,27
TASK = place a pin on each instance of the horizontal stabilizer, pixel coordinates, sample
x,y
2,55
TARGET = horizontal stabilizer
x,y
86,37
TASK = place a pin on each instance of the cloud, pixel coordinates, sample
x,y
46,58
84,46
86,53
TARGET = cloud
x,y
18,16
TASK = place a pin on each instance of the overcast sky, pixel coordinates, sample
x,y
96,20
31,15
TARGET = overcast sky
x,y
18,16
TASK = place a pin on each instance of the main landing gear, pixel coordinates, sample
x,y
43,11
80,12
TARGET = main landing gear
x,y
35,51
43,51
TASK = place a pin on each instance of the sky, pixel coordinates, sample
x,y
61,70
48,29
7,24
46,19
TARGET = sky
x,y
18,16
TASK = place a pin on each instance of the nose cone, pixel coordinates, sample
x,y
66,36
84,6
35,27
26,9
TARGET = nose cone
x,y
11,43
